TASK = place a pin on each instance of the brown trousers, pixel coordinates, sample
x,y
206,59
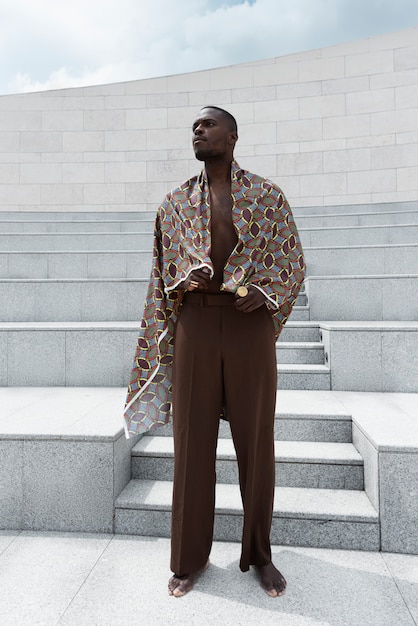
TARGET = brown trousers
x,y
222,357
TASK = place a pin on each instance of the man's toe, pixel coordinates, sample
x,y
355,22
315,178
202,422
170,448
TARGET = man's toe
x,y
178,592
280,586
273,593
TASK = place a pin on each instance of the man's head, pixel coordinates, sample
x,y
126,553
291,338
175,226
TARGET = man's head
x,y
214,134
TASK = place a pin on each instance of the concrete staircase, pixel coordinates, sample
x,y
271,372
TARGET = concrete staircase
x,y
72,288
69,285
319,499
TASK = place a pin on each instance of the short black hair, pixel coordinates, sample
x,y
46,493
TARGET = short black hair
x,y
227,114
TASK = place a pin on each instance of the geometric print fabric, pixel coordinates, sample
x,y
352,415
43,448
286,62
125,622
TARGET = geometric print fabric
x,y
268,255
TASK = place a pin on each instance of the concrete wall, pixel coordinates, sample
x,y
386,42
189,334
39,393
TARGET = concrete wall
x,y
337,125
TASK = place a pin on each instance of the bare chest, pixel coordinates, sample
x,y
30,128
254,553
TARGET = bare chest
x,y
223,234
222,227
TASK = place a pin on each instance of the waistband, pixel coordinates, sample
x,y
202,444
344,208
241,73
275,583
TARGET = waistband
x,y
209,299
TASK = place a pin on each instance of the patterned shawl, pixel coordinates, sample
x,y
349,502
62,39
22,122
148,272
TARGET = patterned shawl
x,y
268,255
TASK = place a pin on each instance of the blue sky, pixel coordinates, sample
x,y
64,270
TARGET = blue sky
x,y
47,44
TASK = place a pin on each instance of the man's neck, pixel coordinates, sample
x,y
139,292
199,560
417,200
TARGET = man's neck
x,y
218,172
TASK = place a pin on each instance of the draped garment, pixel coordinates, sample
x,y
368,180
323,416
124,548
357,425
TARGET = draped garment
x,y
268,255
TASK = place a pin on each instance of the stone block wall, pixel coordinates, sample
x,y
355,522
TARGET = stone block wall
x,y
333,126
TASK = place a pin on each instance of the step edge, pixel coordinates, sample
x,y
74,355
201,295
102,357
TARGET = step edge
x,y
371,516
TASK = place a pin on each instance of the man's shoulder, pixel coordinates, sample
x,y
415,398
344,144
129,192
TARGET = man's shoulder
x,y
179,195
251,180
187,187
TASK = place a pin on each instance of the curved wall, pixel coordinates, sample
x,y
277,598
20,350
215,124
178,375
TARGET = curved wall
x,y
333,126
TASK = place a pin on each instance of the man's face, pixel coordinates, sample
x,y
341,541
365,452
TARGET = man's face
x,y
212,136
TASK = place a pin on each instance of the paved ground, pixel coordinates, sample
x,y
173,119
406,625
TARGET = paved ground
x,y
81,579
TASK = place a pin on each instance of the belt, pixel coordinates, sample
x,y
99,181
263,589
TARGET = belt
x,y
209,299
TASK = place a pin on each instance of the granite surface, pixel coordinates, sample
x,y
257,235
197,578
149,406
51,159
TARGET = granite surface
x,y
80,579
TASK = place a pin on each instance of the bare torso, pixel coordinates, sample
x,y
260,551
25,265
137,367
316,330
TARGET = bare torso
x,y
223,234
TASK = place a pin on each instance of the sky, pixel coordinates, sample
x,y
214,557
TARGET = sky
x,y
54,44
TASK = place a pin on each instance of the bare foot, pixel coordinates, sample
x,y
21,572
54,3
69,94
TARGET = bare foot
x,y
272,581
179,585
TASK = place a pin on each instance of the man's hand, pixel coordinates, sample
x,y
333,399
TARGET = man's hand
x,y
252,301
198,279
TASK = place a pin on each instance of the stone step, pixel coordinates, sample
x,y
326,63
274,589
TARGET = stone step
x,y
69,300
311,237
76,264
75,216
83,300
323,261
293,331
369,207
97,412
145,222
391,212
302,299
357,298
328,518
300,352
300,416
298,464
372,355
75,241
362,260
76,226
359,235
101,353
357,219
303,376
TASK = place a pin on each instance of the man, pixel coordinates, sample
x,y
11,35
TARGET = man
x,y
227,268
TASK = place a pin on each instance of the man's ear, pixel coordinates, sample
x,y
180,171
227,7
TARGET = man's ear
x,y
233,137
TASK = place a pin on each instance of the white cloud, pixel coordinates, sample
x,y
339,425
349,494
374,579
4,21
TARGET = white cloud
x,y
51,44
64,78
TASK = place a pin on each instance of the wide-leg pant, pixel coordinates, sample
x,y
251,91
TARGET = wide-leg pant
x,y
222,357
